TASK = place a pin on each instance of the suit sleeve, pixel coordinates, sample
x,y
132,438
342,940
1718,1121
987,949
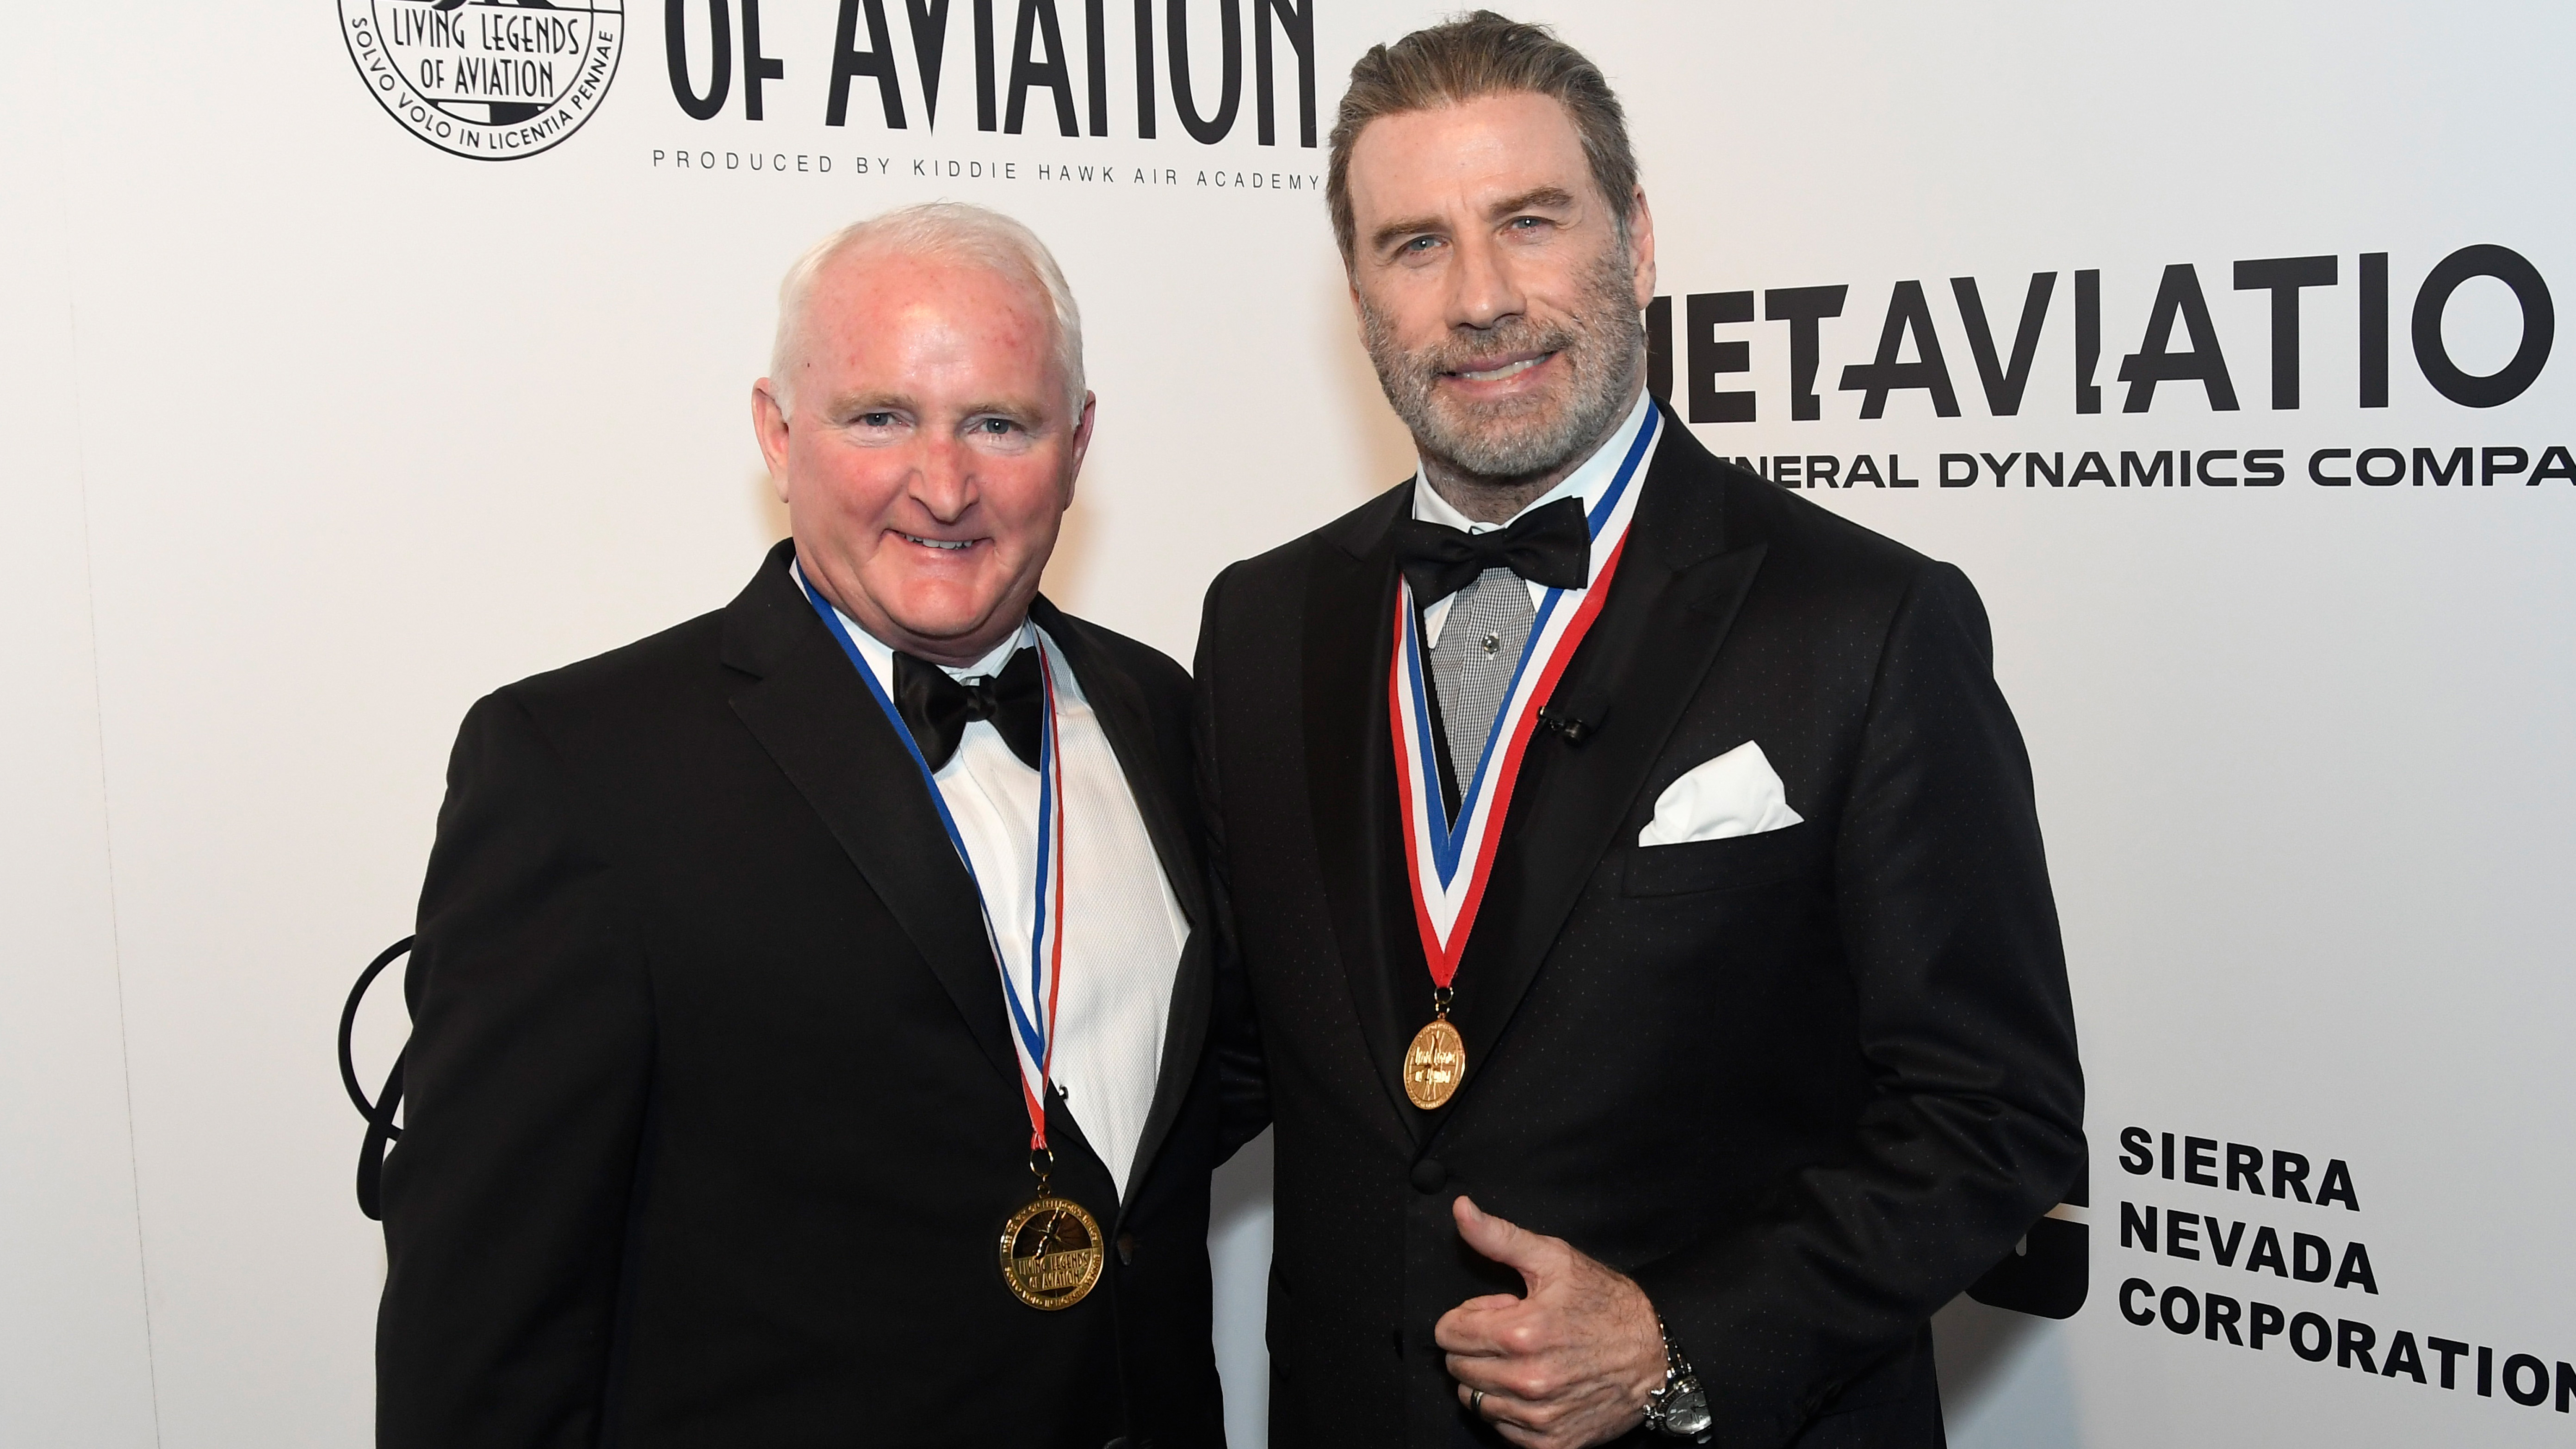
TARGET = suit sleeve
x,y
1242,1076
1976,1126
505,1201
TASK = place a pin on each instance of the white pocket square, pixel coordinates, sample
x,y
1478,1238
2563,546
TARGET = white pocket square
x,y
1738,793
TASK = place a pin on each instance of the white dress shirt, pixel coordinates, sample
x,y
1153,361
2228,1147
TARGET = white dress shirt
x,y
1124,929
1586,482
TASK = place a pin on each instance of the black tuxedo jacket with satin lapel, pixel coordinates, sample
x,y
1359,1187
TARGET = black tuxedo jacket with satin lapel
x,y
1804,1086
713,1122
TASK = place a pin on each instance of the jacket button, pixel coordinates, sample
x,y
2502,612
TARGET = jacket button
x,y
1429,1175
1127,1248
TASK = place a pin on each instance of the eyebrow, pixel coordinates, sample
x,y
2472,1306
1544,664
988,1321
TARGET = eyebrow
x,y
1029,412
1536,198
1395,231
869,402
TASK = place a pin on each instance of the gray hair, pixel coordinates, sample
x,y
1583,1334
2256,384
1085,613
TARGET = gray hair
x,y
952,230
1467,59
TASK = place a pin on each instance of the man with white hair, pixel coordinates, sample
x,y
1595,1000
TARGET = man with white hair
x,y
810,1000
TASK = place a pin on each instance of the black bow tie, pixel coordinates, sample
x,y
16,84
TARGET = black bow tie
x,y
1550,546
938,708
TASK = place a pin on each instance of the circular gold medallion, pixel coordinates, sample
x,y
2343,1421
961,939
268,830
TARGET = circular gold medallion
x,y
1434,1064
1051,1253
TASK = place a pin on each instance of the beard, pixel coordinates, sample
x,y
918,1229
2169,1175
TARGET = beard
x,y
1601,345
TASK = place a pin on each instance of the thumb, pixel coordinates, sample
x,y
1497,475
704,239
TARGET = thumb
x,y
1503,1241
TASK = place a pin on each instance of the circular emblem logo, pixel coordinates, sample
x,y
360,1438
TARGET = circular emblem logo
x,y
1051,1253
493,80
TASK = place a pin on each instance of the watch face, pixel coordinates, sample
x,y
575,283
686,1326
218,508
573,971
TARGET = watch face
x,y
1688,1412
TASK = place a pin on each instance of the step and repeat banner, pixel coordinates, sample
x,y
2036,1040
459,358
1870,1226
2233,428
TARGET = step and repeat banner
x,y
368,354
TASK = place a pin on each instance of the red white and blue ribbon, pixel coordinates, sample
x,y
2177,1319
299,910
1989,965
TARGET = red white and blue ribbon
x,y
1449,861
1033,1007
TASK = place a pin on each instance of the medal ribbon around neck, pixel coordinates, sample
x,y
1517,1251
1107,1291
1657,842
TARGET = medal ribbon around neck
x,y
1447,861
1033,1014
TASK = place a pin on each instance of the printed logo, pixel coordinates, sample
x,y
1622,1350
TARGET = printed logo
x,y
493,80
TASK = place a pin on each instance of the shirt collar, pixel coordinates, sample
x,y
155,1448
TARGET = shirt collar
x,y
1585,482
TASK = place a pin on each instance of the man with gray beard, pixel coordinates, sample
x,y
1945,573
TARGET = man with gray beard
x,y
1632,869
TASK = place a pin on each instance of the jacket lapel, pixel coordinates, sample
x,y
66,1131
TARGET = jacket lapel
x,y
811,712
1350,782
1119,705
1669,610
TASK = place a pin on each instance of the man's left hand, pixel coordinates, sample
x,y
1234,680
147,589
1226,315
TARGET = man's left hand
x,y
1569,1365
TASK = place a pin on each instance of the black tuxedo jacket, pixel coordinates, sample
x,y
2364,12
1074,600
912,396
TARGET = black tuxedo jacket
x,y
1804,1086
713,1122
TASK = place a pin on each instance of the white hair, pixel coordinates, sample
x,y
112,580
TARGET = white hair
x,y
951,230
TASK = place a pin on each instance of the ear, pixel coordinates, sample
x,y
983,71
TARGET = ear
x,y
1641,246
769,425
1081,446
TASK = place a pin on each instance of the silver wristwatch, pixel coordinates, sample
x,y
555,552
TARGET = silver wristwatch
x,y
1679,1409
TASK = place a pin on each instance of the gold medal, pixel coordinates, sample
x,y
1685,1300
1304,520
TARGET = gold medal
x,y
1434,1064
1051,1252
1450,853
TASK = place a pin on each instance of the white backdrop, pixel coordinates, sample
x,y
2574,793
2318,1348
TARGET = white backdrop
x,y
316,431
